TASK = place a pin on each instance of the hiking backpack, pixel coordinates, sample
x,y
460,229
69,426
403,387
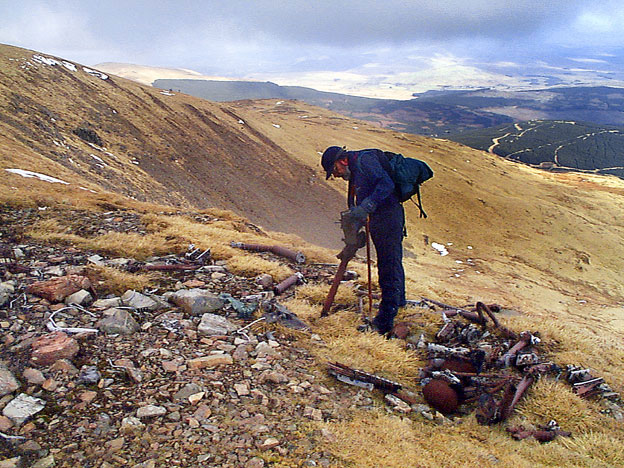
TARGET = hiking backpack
x,y
407,175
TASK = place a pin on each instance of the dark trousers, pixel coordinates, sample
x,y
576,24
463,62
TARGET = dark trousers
x,y
387,230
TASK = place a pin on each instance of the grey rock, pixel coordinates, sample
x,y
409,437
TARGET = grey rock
x,y
6,289
107,303
150,411
54,271
213,325
89,375
33,376
131,424
8,382
118,322
81,297
187,391
22,407
197,301
255,462
96,260
10,462
139,301
46,462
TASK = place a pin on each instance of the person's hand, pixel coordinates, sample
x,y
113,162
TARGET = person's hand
x,y
356,216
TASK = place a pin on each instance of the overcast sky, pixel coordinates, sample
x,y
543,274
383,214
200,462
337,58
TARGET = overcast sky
x,y
405,42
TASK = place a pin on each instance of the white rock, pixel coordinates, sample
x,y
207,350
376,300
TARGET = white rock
x,y
151,411
22,407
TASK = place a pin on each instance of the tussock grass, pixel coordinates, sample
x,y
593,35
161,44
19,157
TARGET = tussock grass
x,y
548,399
108,280
249,266
128,244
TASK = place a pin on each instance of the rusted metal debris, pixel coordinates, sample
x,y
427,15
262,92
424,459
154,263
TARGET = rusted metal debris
x,y
274,312
292,280
361,379
542,434
170,267
585,385
297,257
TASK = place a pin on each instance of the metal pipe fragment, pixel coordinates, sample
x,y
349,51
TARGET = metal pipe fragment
x,y
297,257
172,267
292,280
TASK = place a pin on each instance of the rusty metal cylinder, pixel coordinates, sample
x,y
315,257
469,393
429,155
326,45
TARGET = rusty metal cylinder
x,y
297,257
293,280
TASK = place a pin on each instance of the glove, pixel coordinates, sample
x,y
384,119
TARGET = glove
x,y
355,218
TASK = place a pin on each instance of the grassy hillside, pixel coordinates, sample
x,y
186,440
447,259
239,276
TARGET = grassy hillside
x,y
549,246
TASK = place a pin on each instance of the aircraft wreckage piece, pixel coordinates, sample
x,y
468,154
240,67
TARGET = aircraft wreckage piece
x,y
297,257
292,280
361,379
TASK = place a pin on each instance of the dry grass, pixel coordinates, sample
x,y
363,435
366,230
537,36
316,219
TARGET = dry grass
x,y
127,244
108,280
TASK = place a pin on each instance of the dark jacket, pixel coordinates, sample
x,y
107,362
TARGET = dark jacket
x,y
374,187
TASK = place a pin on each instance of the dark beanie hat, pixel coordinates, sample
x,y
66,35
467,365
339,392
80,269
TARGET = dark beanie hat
x,y
329,158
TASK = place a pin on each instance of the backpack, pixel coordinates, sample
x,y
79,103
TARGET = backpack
x,y
407,175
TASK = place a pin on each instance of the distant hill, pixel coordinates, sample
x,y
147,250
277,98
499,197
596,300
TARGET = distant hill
x,y
434,113
555,145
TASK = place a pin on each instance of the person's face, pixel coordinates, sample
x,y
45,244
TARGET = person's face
x,y
341,169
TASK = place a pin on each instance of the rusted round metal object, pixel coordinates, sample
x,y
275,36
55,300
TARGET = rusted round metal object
x,y
457,365
439,395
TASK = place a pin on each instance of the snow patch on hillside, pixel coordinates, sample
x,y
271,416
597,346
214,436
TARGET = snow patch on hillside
x,y
45,178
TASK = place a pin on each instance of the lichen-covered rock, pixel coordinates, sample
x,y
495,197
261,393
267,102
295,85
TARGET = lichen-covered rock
x,y
57,289
51,347
118,322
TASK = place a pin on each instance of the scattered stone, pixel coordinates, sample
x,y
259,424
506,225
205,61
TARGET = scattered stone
x,y
81,297
269,376
202,412
215,325
398,404
314,414
138,301
46,462
6,289
151,411
5,424
264,280
57,289
88,396
50,385
107,303
196,302
118,322
52,347
131,425
185,392
65,366
33,376
255,462
11,462
22,407
269,443
211,361
8,383
264,349
89,375
146,464
242,389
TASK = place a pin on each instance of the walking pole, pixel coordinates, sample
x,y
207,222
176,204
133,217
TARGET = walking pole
x,y
368,261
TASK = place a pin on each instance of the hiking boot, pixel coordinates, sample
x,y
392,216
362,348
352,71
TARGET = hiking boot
x,y
371,327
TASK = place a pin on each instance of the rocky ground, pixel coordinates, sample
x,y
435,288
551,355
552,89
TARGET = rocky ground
x,y
140,380
207,368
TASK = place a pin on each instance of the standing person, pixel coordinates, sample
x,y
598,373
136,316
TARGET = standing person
x,y
372,194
